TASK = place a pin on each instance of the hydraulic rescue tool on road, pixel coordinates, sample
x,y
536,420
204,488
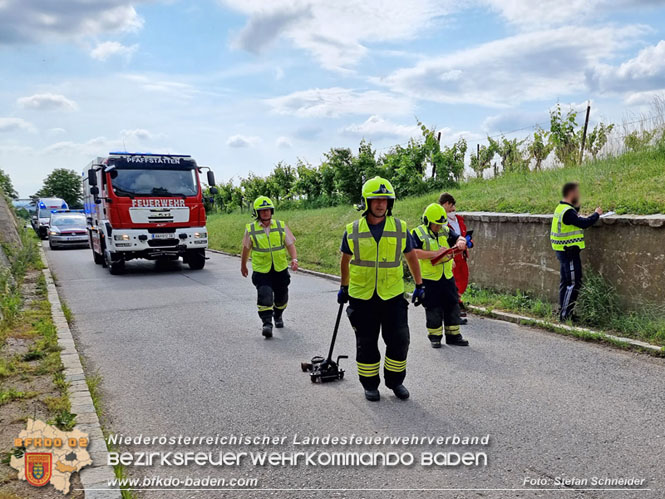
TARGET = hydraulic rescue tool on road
x,y
323,370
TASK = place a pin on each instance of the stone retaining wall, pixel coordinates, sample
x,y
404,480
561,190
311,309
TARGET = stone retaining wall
x,y
512,251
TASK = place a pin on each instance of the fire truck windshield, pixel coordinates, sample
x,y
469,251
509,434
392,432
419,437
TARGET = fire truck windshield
x,y
154,182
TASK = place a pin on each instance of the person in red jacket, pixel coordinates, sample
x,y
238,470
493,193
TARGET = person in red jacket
x,y
460,268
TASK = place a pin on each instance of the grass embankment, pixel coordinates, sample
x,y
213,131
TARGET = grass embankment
x,y
30,367
631,183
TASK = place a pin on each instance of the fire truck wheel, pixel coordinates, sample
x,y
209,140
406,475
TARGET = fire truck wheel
x,y
196,259
99,259
115,266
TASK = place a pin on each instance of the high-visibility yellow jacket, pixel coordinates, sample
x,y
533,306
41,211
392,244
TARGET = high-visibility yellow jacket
x,y
268,251
376,267
433,242
562,235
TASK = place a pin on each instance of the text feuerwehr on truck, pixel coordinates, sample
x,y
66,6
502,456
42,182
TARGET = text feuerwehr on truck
x,y
145,206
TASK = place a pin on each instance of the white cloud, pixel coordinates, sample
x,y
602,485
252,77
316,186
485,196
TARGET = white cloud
x,y
336,101
241,141
378,128
514,120
645,99
47,102
264,26
283,143
35,20
525,67
139,134
83,150
335,33
108,49
644,72
157,83
531,15
14,124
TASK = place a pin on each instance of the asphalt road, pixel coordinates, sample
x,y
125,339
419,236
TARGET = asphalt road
x,y
180,352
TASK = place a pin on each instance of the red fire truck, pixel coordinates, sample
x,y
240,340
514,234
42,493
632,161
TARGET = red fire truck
x,y
145,206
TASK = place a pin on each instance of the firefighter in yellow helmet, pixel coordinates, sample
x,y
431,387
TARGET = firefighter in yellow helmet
x,y
372,283
269,241
441,301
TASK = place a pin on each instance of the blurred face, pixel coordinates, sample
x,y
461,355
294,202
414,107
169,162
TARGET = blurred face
x,y
435,228
574,197
378,207
448,206
265,215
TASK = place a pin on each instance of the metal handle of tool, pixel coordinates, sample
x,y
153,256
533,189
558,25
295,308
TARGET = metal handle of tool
x,y
332,343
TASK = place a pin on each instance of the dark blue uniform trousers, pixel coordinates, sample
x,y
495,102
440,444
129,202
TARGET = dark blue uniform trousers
x,y
571,281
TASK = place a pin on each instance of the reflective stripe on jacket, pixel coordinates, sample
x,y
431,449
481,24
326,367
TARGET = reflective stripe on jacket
x,y
432,243
562,235
268,251
376,267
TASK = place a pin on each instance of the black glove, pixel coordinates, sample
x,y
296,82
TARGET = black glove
x,y
343,295
418,294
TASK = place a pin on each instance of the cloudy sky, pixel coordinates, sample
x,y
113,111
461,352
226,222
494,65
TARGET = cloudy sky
x,y
243,84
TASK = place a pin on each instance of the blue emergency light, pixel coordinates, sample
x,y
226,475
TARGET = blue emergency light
x,y
125,153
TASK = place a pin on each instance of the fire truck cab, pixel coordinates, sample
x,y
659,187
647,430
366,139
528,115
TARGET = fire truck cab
x,y
145,206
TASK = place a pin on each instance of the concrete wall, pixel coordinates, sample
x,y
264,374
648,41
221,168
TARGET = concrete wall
x,y
512,251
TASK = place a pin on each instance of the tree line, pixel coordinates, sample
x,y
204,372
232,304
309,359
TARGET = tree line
x,y
420,166
417,167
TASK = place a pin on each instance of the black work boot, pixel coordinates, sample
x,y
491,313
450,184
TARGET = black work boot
x,y
372,395
266,317
401,392
279,321
457,340
435,343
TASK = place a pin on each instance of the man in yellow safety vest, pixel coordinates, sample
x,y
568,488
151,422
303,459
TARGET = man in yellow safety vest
x,y
441,296
567,238
373,284
268,241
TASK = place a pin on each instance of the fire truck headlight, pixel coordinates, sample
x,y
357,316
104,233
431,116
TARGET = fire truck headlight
x,y
200,235
121,237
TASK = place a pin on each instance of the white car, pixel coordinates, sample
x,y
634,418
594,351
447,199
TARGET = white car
x,y
67,228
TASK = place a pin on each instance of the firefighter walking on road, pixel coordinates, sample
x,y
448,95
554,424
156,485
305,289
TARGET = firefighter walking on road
x,y
372,283
441,297
269,240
